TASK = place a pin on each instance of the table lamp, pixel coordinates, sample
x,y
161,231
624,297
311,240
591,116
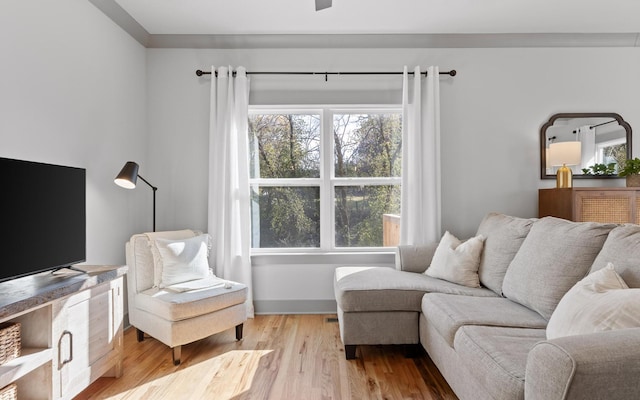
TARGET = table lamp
x,y
563,154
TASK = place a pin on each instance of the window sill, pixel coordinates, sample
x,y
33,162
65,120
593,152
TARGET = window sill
x,y
302,258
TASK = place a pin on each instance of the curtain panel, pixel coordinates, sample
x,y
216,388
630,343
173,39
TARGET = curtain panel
x,y
420,221
229,221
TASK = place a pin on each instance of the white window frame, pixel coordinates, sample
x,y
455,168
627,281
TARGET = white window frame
x,y
327,182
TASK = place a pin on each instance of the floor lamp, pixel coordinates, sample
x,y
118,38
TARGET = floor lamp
x,y
127,179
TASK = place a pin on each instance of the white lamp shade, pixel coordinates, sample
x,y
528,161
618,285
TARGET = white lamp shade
x,y
549,157
564,153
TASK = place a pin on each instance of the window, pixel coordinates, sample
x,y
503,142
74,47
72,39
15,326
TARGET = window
x,y
323,178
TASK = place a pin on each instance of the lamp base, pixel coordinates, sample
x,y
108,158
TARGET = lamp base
x,y
564,177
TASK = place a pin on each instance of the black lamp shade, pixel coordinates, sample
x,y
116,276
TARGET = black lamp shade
x,y
128,176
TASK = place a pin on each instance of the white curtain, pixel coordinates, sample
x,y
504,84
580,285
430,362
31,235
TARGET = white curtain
x,y
420,221
587,137
229,216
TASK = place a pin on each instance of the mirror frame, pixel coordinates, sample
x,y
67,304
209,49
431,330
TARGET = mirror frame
x,y
554,117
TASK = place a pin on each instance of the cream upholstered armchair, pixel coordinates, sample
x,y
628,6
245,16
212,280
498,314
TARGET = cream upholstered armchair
x,y
172,294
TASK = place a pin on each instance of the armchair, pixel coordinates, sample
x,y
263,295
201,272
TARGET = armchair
x,y
176,317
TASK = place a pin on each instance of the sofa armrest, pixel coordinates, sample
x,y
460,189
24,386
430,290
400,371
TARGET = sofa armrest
x,y
603,365
414,258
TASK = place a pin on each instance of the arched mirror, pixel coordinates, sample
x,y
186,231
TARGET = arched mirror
x,y
605,143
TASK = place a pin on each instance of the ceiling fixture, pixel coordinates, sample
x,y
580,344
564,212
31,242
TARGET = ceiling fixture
x,y
322,4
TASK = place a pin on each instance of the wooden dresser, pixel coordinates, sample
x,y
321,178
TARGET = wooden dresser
x,y
597,204
71,330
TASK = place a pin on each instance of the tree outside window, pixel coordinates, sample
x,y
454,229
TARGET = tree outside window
x,y
324,185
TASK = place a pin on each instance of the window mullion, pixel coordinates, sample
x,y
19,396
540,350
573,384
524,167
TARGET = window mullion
x,y
327,227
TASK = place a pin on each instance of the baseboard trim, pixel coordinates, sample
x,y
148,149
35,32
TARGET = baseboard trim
x,y
295,306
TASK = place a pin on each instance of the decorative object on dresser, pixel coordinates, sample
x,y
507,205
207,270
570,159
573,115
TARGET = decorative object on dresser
x,y
631,171
127,179
595,204
564,154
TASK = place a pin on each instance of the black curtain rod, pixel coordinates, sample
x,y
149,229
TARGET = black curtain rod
x,y
326,74
595,126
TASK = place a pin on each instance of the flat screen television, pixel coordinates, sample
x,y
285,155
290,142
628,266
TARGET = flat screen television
x,y
43,224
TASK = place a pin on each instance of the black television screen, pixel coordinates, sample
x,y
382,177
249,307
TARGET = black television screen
x,y
43,217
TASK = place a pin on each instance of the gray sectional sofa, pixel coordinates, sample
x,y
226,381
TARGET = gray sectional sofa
x,y
490,342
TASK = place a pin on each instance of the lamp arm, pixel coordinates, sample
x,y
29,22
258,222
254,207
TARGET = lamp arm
x,y
154,200
147,182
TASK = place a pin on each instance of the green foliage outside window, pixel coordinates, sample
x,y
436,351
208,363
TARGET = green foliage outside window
x,y
288,147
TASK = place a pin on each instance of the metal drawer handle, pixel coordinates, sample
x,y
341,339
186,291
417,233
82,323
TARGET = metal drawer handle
x,y
62,362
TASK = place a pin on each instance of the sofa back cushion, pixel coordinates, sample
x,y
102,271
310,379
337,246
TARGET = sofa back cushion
x,y
503,237
622,249
554,256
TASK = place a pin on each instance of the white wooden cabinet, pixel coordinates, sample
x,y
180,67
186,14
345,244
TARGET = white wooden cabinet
x,y
71,331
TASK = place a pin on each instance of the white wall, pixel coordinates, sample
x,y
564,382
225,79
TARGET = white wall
x,y
491,113
72,92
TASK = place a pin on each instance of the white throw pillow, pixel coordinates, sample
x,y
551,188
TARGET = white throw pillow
x,y
601,301
183,260
457,261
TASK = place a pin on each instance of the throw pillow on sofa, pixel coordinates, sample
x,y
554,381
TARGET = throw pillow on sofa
x,y
554,256
602,301
456,261
504,235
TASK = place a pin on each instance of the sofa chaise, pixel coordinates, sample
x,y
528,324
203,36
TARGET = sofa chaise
x,y
501,339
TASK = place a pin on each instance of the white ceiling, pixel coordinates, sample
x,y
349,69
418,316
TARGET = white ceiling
x,y
236,17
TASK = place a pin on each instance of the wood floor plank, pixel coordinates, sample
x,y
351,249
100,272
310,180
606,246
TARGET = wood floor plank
x,y
281,357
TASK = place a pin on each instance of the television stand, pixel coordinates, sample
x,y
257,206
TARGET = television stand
x,y
70,331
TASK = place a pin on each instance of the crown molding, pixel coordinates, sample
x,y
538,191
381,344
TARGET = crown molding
x,y
395,41
122,18
318,41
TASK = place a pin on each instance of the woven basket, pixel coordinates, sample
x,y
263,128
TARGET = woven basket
x,y
633,180
9,392
9,342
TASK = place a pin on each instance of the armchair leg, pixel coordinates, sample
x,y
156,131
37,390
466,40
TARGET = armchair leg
x,y
140,335
239,331
350,351
177,353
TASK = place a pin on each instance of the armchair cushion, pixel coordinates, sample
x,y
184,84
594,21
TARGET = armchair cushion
x,y
173,306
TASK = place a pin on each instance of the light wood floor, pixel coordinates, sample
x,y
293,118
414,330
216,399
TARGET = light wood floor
x,y
280,357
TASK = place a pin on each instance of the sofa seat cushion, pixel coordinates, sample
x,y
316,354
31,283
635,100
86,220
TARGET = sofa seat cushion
x,y
387,289
448,313
174,306
497,357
